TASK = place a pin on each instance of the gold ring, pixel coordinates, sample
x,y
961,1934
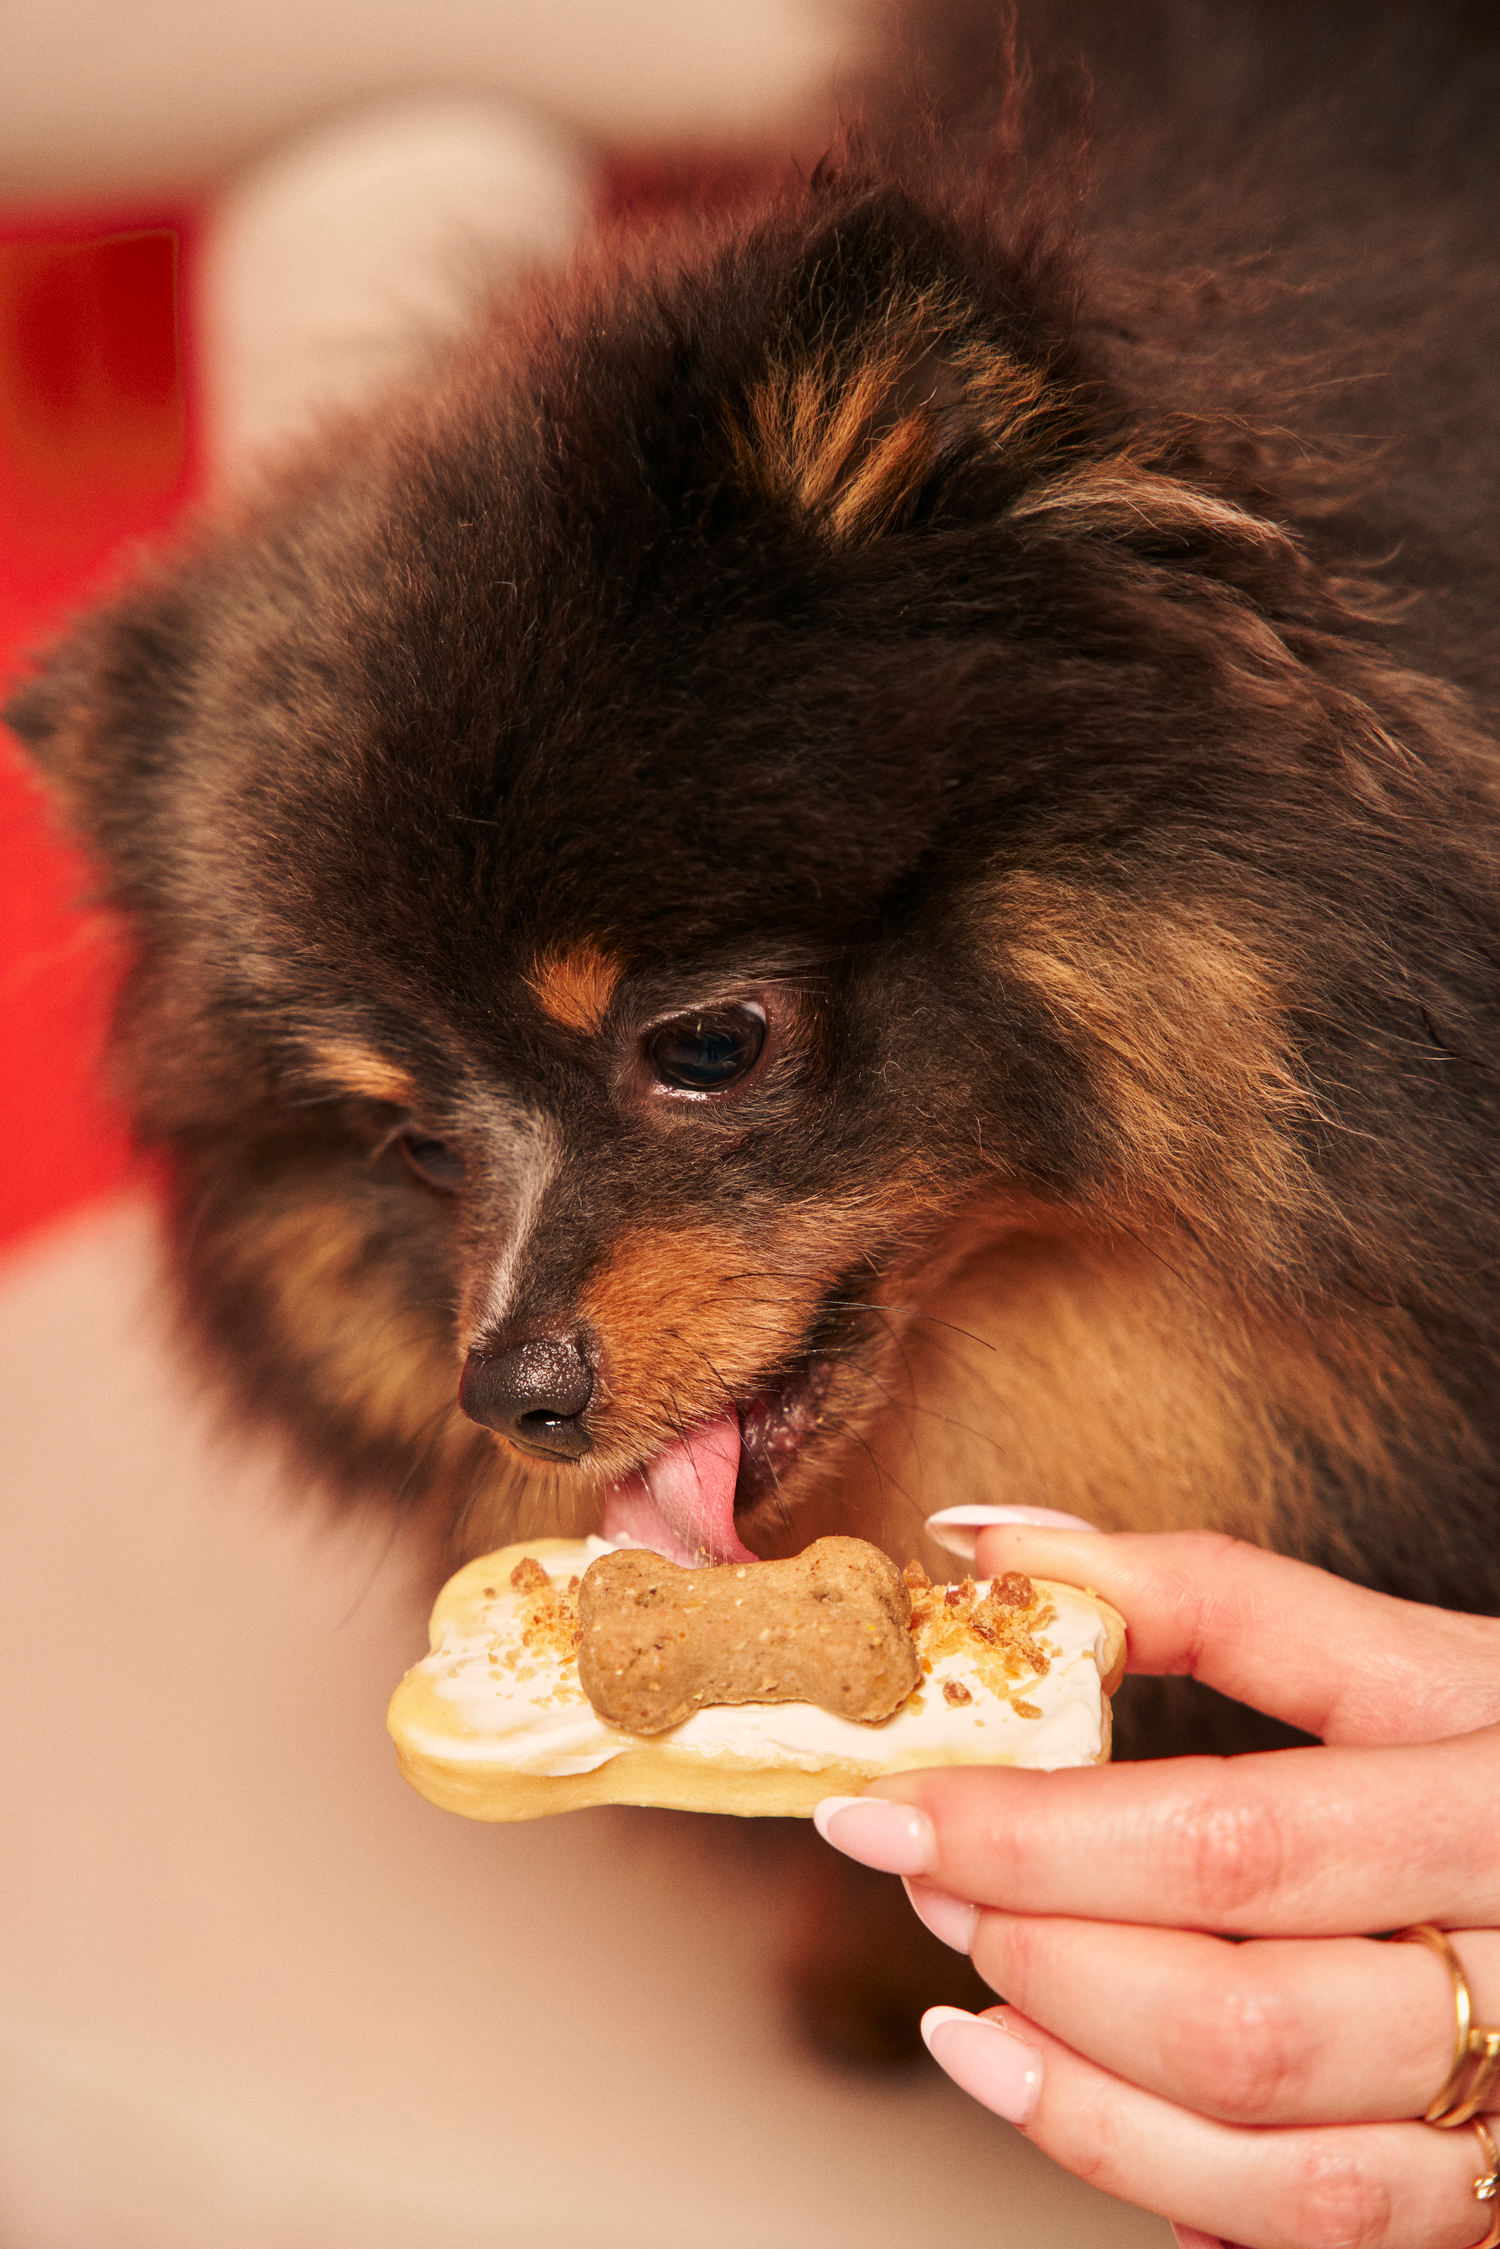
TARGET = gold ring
x,y
1476,2052
1487,2189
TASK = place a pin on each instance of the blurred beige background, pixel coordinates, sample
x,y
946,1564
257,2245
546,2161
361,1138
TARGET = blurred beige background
x,y
138,95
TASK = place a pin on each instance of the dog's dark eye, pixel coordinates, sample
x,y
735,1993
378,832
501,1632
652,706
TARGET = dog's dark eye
x,y
704,1053
433,1161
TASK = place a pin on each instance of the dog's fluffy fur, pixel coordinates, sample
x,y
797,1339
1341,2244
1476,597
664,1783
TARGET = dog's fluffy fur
x,y
948,622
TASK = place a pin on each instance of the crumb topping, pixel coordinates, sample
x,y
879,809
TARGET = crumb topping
x,y
547,1625
998,1635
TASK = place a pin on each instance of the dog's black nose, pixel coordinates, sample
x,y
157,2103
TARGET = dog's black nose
x,y
534,1393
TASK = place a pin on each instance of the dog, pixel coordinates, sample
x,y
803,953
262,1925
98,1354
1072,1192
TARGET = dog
x,y
836,873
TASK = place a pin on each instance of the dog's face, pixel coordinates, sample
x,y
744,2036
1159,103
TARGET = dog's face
x,y
760,893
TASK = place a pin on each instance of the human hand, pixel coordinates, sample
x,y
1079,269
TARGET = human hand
x,y
1198,2020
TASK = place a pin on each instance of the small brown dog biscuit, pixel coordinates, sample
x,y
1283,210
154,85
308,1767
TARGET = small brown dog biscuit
x,y
657,1642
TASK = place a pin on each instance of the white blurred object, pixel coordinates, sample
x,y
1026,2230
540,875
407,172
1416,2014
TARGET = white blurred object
x,y
336,263
104,98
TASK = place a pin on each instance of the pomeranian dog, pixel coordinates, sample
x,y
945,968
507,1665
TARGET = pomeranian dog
x,y
852,864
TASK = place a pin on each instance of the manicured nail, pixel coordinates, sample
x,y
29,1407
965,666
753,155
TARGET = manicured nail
x,y
952,1919
956,1528
895,1838
991,2066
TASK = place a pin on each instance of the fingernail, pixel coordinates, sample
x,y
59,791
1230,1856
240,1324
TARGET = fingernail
x,y
952,1919
1188,2237
956,1528
991,2066
895,1838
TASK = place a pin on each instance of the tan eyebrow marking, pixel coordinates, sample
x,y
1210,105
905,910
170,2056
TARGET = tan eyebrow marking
x,y
361,1070
576,986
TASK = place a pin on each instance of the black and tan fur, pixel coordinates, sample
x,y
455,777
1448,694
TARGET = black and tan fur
x,y
919,610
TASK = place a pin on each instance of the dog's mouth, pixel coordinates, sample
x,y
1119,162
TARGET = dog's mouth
x,y
684,1501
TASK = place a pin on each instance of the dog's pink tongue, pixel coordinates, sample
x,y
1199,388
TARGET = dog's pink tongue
x,y
681,1504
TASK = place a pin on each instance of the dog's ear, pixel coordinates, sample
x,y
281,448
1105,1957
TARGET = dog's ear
x,y
903,384
890,380
101,716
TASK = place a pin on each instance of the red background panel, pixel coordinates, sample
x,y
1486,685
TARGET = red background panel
x,y
98,451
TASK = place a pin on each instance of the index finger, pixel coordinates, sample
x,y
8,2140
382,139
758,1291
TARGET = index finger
x,y
1329,1657
1287,1843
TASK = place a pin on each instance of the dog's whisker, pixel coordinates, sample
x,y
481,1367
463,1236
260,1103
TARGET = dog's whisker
x,y
676,1417
387,1547
465,1509
931,1320
898,1345
918,1412
437,1423
883,1475
506,1477
858,1305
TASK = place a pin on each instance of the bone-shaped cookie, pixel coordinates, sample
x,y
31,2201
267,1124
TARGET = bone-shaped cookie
x,y
656,1642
